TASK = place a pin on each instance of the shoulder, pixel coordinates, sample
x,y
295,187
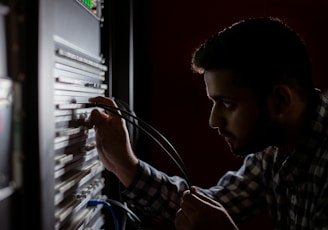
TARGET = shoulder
x,y
319,163
266,157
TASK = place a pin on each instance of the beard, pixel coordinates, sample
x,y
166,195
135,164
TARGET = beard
x,y
265,133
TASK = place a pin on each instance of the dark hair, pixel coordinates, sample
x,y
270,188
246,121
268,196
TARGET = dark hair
x,y
261,51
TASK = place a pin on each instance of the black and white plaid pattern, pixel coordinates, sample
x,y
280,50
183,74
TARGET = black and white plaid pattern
x,y
294,188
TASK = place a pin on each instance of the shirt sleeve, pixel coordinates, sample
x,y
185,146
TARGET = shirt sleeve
x,y
242,192
155,193
320,195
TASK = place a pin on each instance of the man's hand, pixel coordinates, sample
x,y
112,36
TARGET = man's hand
x,y
112,140
199,212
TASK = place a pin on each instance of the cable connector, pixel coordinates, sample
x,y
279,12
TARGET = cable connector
x,y
95,202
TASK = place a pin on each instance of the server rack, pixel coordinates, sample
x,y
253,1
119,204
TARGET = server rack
x,y
66,47
62,170
7,186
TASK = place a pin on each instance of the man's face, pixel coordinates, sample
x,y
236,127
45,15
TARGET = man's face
x,y
237,115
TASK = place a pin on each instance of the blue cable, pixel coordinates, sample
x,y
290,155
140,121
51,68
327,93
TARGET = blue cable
x,y
97,202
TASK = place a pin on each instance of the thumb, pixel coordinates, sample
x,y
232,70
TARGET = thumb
x,y
95,118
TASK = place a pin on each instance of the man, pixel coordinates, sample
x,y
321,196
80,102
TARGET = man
x,y
258,75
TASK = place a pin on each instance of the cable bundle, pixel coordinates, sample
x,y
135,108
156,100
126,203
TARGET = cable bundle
x,y
151,132
154,135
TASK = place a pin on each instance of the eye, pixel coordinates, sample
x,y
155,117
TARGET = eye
x,y
227,104
223,103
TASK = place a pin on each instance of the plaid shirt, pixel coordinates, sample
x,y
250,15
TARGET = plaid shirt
x,y
294,188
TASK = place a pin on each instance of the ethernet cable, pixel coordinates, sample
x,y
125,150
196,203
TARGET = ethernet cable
x,y
104,202
108,203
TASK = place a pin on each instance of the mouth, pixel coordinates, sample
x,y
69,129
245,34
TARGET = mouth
x,y
227,136
227,139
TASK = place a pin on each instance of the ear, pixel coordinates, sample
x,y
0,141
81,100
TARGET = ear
x,y
281,99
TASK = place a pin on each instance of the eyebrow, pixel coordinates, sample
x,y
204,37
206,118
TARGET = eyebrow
x,y
221,98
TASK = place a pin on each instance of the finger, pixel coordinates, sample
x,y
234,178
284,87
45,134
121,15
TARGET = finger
x,y
90,122
193,202
189,202
181,220
102,100
183,195
107,103
205,198
97,118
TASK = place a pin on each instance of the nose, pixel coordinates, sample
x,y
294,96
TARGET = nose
x,y
217,119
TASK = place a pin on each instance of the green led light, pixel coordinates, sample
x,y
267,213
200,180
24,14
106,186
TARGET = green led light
x,y
91,5
88,3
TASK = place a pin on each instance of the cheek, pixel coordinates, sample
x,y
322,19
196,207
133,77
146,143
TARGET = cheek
x,y
241,125
245,125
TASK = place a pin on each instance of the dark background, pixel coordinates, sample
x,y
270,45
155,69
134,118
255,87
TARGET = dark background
x,y
173,99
